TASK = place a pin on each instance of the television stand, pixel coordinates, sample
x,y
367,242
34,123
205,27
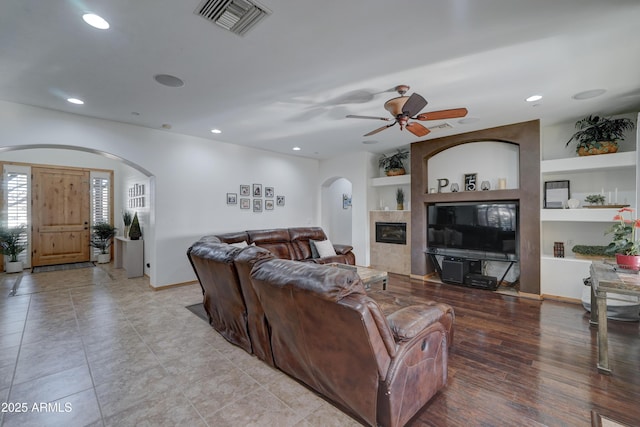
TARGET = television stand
x,y
468,271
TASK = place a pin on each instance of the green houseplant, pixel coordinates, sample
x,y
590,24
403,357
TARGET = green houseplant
x,y
12,245
599,135
595,199
625,245
394,164
400,198
102,235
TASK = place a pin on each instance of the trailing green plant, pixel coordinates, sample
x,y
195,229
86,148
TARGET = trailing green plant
x,y
590,250
592,130
135,232
102,235
11,242
393,161
595,199
400,196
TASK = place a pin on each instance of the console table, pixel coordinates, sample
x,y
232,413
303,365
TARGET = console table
x,y
129,255
608,278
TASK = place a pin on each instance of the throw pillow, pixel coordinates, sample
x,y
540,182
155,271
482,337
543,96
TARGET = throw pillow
x,y
314,251
325,248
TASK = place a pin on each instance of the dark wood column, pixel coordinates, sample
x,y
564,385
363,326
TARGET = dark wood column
x,y
527,136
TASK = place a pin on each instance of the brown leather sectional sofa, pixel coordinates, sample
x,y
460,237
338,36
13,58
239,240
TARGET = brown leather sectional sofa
x,y
317,324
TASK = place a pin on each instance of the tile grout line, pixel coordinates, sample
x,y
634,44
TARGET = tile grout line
x,y
86,357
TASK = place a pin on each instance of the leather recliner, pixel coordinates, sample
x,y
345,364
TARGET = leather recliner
x,y
327,333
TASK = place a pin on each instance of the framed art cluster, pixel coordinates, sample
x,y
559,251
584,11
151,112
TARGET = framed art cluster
x,y
136,196
256,197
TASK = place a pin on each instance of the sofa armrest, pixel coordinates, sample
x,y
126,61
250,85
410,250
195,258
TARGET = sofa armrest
x,y
408,322
342,249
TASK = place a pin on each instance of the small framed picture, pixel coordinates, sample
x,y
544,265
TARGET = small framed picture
x,y
245,203
346,201
556,194
245,190
257,205
232,198
268,205
257,190
470,183
269,192
280,201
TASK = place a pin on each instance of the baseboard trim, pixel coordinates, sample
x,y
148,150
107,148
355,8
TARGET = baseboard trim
x,y
562,299
175,285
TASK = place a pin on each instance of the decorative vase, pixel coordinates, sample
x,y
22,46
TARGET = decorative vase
x,y
631,262
400,206
606,147
13,266
126,231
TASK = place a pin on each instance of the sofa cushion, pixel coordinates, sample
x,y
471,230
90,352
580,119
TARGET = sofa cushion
x,y
407,322
301,238
276,240
324,248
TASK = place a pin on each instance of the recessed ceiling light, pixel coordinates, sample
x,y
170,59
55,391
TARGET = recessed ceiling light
x,y
166,126
370,141
95,21
589,94
534,98
296,148
216,131
75,101
168,80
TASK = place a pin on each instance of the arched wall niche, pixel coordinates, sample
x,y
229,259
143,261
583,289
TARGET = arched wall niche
x,y
527,136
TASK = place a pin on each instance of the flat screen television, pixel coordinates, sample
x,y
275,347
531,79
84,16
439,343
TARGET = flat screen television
x,y
474,229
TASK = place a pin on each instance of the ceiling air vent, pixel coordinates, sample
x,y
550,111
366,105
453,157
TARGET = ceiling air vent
x,y
237,16
444,125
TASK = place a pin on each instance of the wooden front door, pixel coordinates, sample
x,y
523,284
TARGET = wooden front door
x,y
61,215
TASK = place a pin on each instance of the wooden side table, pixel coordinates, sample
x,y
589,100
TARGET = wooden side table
x,y
608,278
129,254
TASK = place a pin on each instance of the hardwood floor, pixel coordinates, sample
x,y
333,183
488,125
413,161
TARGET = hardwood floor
x,y
521,362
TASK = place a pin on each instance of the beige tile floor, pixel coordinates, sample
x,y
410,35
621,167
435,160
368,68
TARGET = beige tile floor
x,y
98,349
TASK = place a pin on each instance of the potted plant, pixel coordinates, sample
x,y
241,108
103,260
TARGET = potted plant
x,y
101,238
599,135
595,199
625,246
400,198
393,164
126,219
11,245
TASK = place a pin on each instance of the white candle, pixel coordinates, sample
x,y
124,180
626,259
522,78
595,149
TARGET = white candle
x,y
602,192
609,197
616,199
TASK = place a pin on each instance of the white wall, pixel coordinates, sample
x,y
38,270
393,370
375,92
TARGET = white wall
x,y
358,168
338,219
190,177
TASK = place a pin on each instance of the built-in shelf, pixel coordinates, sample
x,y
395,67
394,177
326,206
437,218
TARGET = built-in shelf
x,y
589,163
391,180
578,215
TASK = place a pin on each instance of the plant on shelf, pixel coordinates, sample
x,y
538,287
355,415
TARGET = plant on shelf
x,y
394,163
126,220
595,199
102,235
400,198
590,251
12,244
625,245
599,135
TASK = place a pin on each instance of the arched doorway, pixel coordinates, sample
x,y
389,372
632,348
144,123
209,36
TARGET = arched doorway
x,y
336,210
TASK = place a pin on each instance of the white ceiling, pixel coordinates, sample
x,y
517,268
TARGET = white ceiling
x,y
291,80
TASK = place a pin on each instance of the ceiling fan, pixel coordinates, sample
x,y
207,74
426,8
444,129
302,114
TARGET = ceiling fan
x,y
404,108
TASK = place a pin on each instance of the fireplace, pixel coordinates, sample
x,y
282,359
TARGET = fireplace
x,y
391,232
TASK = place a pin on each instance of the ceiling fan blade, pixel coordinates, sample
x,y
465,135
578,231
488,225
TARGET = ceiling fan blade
x,y
352,116
414,104
417,129
380,129
443,114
